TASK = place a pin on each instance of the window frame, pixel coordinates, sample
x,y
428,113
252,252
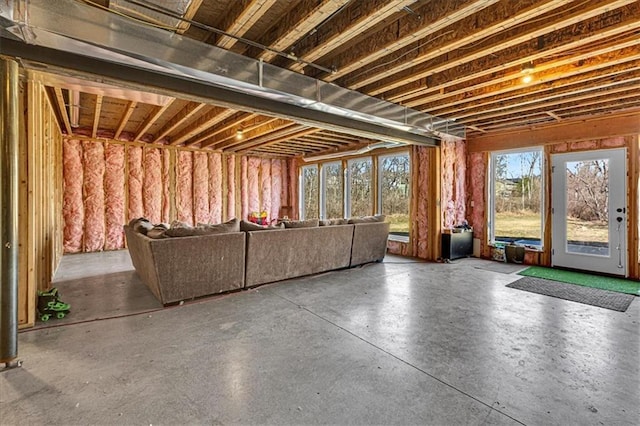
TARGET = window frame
x,y
301,188
379,186
491,195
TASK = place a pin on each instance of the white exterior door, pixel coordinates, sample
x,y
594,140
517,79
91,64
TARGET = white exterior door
x,y
588,201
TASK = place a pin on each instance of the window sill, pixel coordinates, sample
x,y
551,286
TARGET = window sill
x,y
399,238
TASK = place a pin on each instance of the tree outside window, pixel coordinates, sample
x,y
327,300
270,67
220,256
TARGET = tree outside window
x,y
517,197
333,190
360,196
310,190
394,177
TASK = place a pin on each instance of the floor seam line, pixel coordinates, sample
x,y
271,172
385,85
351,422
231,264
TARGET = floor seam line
x,y
398,358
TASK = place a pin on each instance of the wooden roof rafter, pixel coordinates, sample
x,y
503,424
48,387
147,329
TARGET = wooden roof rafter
x,y
516,46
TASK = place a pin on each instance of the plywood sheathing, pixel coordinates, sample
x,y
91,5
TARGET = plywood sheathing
x,y
40,198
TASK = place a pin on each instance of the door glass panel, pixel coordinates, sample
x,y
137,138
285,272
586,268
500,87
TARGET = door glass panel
x,y
587,217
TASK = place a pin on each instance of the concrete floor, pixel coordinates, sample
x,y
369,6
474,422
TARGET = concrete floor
x,y
392,343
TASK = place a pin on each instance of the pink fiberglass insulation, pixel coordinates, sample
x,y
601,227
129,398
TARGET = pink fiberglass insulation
x,y
184,187
114,196
94,208
421,222
231,187
244,188
613,142
265,186
292,184
447,183
200,187
460,182
276,188
477,178
72,207
284,186
215,187
152,187
253,172
166,200
136,206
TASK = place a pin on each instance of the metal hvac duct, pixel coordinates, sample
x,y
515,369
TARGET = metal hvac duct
x,y
78,29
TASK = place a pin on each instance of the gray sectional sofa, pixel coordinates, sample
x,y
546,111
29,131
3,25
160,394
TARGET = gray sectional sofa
x,y
186,267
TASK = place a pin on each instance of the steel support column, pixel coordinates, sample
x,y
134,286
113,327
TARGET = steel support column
x,y
9,136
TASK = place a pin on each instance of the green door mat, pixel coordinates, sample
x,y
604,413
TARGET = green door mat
x,y
595,281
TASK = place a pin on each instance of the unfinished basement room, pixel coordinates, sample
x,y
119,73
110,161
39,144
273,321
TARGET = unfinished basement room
x,y
288,212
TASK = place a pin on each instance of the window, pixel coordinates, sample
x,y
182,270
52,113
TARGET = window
x,y
350,188
332,191
516,197
309,190
394,196
360,202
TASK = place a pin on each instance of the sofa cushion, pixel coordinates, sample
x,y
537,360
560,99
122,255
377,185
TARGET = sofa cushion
x,y
181,229
367,219
232,225
141,225
309,223
246,226
158,231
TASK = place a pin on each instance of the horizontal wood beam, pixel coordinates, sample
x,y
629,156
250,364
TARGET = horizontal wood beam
x,y
301,20
151,119
178,119
566,131
355,19
241,19
487,82
404,36
202,123
516,47
554,79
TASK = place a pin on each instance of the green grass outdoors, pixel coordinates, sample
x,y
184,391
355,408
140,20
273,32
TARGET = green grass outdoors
x,y
523,225
398,222
527,225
